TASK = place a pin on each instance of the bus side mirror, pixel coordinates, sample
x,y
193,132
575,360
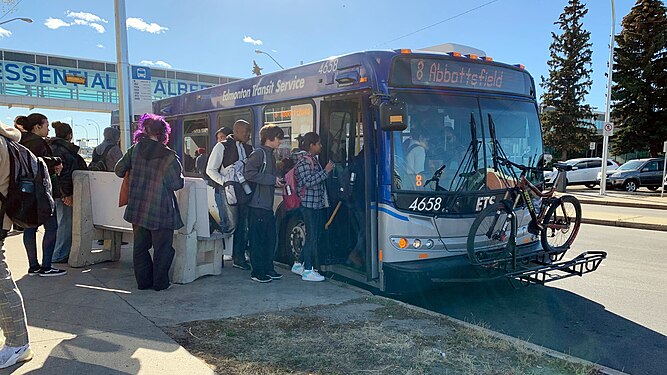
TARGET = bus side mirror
x,y
393,116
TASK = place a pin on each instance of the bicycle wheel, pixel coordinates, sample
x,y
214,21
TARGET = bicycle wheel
x,y
491,234
561,224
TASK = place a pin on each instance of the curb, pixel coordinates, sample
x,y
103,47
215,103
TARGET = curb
x,y
540,349
653,206
625,224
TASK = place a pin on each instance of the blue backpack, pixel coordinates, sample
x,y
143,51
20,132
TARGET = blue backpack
x,y
29,201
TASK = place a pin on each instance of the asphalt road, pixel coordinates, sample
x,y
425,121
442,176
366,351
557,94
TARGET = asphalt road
x,y
616,316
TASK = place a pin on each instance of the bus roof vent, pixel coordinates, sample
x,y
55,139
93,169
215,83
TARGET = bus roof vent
x,y
453,47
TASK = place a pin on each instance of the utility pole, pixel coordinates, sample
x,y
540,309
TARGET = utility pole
x,y
123,71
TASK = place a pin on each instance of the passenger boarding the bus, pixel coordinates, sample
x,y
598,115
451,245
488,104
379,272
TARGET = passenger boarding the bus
x,y
224,154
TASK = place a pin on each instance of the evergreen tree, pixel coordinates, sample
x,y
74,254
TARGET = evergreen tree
x,y
640,76
568,83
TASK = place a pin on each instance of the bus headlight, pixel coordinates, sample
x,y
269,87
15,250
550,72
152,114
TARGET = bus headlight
x,y
417,243
429,244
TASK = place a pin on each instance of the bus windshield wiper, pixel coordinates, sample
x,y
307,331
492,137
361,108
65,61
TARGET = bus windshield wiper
x,y
436,178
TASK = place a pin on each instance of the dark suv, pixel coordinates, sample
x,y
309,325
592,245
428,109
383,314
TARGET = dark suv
x,y
635,173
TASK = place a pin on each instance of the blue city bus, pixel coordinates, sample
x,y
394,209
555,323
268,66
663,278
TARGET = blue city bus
x,y
407,130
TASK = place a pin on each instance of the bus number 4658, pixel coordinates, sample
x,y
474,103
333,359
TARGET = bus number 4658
x,y
426,204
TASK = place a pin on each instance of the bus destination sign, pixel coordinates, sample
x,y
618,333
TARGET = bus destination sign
x,y
461,74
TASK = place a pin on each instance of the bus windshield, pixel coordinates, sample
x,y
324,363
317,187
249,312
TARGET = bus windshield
x,y
435,152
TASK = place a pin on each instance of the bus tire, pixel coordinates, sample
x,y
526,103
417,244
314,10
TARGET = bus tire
x,y
292,237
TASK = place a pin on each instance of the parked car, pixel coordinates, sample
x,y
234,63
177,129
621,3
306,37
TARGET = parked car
x,y
635,174
584,172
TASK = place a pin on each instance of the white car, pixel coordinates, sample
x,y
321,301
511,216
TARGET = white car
x,y
584,172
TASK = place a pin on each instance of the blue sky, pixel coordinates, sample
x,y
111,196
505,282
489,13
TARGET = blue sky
x,y
220,36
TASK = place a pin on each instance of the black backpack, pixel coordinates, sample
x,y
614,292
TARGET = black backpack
x,y
29,201
98,163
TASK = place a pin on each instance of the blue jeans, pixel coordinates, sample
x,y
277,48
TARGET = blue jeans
x,y
48,243
314,220
64,236
223,211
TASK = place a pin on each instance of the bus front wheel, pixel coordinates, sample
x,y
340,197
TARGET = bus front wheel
x,y
293,238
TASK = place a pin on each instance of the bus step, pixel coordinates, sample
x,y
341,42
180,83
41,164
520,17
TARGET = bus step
x,y
547,272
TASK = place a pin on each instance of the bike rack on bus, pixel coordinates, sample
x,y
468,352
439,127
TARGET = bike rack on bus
x,y
540,267
543,273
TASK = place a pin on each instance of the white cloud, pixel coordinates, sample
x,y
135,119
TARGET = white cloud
x,y
158,63
80,19
100,29
55,23
141,25
4,33
249,39
88,17
100,46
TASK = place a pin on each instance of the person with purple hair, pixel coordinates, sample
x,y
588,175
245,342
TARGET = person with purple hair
x,y
155,173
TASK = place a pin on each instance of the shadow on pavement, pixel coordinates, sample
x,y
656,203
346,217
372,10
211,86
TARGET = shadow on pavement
x,y
553,318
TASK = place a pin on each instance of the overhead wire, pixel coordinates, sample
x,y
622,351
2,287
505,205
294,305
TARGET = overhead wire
x,y
438,23
10,9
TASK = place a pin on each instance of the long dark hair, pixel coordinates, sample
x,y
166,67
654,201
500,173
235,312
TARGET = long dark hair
x,y
33,120
308,140
152,125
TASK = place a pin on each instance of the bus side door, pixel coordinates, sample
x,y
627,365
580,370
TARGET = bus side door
x,y
343,241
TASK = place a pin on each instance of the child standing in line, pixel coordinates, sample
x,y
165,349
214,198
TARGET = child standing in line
x,y
261,169
310,177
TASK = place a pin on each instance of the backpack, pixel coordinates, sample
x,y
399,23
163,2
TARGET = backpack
x,y
291,199
238,191
29,201
98,162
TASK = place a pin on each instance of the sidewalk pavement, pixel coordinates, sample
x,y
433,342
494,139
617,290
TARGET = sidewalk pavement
x,y
94,320
643,210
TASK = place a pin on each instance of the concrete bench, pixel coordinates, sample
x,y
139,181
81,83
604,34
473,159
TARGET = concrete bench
x,y
198,253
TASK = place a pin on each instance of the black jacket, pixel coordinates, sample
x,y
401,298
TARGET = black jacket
x,y
72,161
38,146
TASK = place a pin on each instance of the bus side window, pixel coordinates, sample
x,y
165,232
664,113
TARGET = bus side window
x,y
195,136
227,119
295,119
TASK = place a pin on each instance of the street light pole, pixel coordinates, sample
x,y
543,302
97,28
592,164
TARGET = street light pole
x,y
607,113
24,19
93,122
85,129
274,60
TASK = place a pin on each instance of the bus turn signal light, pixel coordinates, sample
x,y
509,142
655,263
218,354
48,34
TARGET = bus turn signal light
x,y
402,243
363,79
405,51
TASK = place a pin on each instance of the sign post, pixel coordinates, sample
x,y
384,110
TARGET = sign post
x,y
607,131
607,113
664,168
591,146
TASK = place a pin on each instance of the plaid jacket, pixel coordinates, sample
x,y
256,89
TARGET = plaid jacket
x,y
155,173
310,175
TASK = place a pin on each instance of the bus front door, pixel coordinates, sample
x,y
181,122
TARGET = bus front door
x,y
343,240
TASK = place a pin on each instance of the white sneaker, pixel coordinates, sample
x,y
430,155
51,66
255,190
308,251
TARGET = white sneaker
x,y
227,257
10,355
311,275
297,268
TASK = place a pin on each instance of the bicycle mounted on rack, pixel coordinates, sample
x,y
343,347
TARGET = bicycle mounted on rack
x,y
492,238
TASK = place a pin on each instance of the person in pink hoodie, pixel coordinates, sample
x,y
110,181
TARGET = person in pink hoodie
x,y
12,312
